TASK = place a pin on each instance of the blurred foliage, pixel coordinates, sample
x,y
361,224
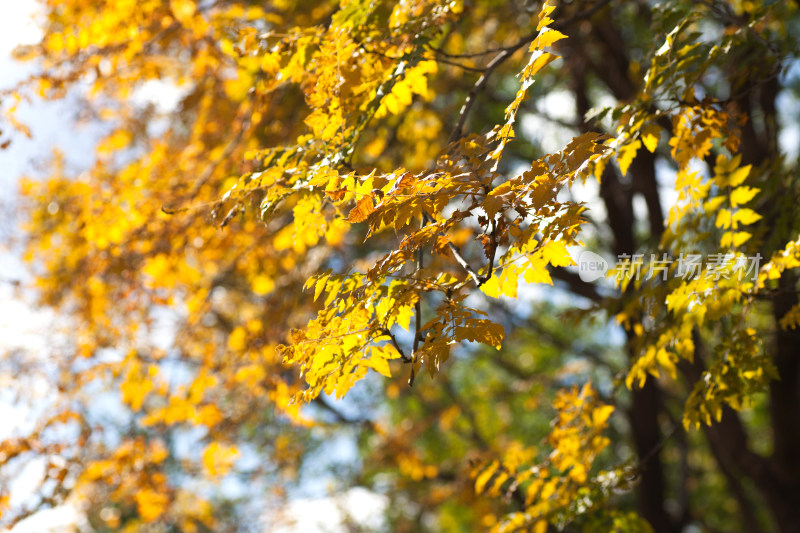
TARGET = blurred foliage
x,y
346,187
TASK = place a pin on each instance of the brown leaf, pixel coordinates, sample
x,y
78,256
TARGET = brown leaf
x,y
361,211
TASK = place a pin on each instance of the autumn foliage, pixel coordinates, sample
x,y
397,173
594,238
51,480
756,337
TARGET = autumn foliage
x,y
371,202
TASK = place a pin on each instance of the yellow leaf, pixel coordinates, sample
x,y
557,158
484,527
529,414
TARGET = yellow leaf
x,y
746,216
723,219
555,253
601,414
625,155
262,284
150,504
664,359
320,286
157,267
497,484
549,488
134,392
136,386
739,175
336,231
724,165
402,316
270,63
650,135
791,319
742,195
237,341
741,237
379,365
492,287
183,10
485,476
547,38
578,473
492,204
537,62
219,458
537,273
730,238
544,18
483,331
208,415
599,168
712,205
510,281
414,81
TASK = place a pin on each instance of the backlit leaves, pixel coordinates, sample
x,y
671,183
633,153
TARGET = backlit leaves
x,y
550,485
300,221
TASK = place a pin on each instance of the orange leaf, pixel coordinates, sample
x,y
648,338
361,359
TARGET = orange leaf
x,y
361,211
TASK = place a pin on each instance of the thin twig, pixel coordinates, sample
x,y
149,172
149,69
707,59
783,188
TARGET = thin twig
x,y
417,316
478,87
460,65
503,55
466,266
403,356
